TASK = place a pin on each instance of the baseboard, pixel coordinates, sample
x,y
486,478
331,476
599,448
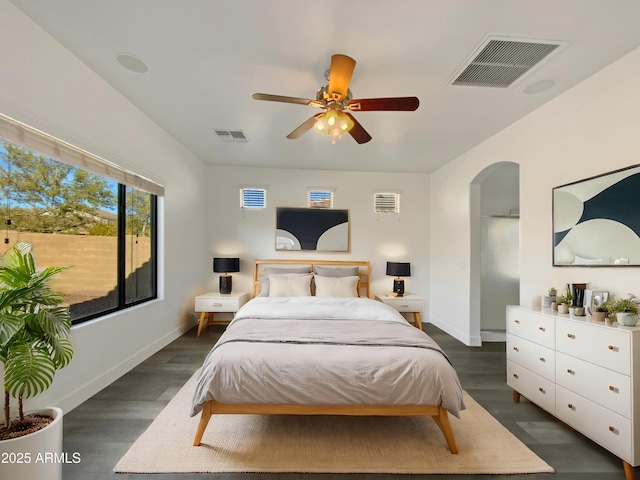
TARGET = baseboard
x,y
86,391
464,337
493,335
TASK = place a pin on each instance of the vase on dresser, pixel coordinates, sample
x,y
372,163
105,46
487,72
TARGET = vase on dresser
x,y
627,319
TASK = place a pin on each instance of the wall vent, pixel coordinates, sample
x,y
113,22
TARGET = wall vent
x,y
236,136
499,61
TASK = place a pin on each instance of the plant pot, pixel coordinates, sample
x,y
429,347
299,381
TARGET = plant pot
x,y
37,455
579,312
563,308
627,319
599,316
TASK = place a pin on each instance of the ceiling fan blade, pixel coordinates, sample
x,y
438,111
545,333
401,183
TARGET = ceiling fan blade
x,y
280,98
358,133
340,76
400,104
304,128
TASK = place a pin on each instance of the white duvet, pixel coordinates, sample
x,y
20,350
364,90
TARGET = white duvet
x,y
326,351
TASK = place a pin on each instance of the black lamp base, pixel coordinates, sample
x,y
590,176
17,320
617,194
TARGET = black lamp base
x,y
398,287
225,284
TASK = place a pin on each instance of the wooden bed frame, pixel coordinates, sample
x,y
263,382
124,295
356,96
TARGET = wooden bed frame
x,y
437,412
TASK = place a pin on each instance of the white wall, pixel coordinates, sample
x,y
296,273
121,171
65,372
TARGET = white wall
x,y
591,129
378,238
43,85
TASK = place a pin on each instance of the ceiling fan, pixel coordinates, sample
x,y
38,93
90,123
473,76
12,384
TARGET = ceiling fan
x,y
334,98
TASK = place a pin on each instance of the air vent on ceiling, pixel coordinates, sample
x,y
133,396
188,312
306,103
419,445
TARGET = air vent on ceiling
x,y
236,136
500,61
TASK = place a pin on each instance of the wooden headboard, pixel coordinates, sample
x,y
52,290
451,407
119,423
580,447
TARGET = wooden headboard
x,y
364,270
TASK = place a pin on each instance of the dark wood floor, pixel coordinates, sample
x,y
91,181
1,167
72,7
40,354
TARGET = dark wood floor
x,y
102,429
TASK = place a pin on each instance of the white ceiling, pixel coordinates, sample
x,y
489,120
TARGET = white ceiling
x,y
206,58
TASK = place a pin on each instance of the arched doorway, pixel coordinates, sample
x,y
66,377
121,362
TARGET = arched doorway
x,y
495,249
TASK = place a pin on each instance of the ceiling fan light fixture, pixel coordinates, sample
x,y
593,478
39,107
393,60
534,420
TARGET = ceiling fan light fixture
x,y
334,123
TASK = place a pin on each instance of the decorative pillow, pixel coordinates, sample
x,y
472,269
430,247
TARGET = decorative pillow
x,y
337,271
290,285
264,281
336,286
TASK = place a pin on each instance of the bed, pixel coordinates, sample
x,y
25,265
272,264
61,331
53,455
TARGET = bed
x,y
317,344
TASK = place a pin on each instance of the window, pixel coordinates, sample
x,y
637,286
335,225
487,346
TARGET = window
x,y
103,227
253,197
320,197
386,202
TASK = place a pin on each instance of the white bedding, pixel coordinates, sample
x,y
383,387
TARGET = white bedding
x,y
326,351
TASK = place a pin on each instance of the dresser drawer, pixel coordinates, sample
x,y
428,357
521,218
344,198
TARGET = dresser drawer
x,y
603,426
534,357
532,326
537,389
604,346
605,387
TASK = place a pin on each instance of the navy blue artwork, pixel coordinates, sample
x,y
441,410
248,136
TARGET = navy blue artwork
x,y
620,202
307,225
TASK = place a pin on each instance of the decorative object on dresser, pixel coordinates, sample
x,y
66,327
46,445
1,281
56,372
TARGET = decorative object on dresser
x,y
211,303
564,302
226,266
407,304
624,310
548,299
398,269
580,371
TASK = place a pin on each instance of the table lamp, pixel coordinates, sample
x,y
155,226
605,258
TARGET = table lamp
x,y
398,269
226,266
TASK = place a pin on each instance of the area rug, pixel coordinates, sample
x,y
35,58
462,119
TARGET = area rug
x,y
326,444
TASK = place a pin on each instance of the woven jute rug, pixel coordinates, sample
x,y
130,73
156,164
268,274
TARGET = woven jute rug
x,y
326,444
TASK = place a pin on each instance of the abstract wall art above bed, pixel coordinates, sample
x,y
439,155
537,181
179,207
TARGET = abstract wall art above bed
x,y
596,221
312,229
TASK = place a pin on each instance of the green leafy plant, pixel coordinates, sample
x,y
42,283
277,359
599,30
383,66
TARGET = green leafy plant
x,y
34,327
603,307
566,299
627,305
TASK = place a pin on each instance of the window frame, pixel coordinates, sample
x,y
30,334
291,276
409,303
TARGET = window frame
x,y
246,206
379,202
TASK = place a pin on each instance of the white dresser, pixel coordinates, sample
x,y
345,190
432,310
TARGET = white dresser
x,y
584,372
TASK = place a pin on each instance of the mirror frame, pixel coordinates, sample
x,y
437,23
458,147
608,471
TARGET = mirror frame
x,y
598,219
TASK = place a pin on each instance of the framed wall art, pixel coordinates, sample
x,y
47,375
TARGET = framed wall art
x,y
314,229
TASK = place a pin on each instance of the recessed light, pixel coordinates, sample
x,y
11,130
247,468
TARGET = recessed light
x,y
132,63
539,87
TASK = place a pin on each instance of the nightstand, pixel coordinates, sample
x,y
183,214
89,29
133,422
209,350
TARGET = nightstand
x,y
211,303
407,303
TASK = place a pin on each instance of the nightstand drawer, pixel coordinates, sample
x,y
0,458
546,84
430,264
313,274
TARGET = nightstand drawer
x,y
407,303
220,303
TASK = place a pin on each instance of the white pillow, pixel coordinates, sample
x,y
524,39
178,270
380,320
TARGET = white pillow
x,y
336,286
290,285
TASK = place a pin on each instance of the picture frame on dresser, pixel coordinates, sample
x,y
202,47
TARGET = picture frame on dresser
x,y
598,297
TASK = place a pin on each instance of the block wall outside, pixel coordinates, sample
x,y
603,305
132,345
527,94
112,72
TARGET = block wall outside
x,y
92,258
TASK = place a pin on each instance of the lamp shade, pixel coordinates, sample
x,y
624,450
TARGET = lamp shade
x,y
399,269
226,265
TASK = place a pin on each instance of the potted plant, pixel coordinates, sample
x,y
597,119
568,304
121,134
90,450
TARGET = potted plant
x,y
34,343
601,312
564,303
625,310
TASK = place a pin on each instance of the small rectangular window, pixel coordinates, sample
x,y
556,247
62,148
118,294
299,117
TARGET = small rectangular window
x,y
253,198
320,199
386,202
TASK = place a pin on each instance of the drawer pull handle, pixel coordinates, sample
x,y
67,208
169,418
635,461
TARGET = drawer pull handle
x,y
516,349
542,329
611,428
570,405
216,304
515,375
570,371
613,389
517,321
541,389
571,335
613,347
404,306
542,359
